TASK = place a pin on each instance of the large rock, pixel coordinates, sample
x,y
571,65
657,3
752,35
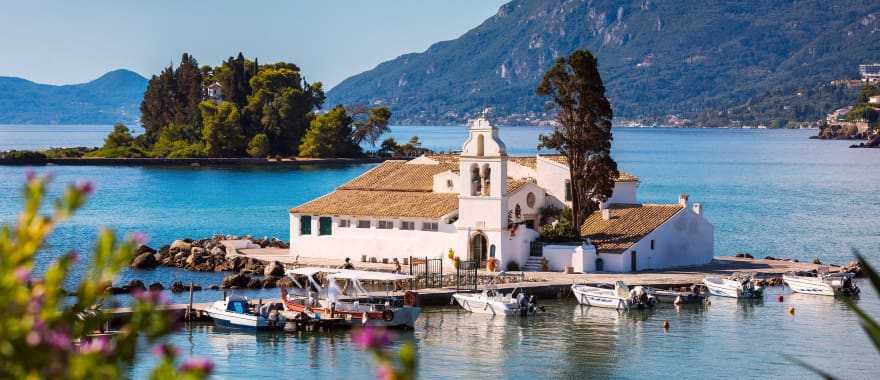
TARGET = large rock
x,y
255,283
181,245
156,287
239,280
143,249
145,260
274,269
134,285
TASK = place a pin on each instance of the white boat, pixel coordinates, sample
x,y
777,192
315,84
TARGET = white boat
x,y
741,287
360,308
677,297
234,311
819,283
491,302
616,296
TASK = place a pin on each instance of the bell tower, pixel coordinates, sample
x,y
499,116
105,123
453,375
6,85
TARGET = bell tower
x,y
482,200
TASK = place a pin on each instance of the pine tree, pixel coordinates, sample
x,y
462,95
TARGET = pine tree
x,y
222,131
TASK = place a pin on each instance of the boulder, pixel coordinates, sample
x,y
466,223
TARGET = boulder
x,y
117,289
239,280
270,282
217,251
253,266
817,261
255,283
144,249
177,287
134,285
214,287
274,269
770,258
156,287
145,260
182,245
745,255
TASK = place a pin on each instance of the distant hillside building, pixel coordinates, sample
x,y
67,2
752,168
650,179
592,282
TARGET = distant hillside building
x,y
214,92
870,72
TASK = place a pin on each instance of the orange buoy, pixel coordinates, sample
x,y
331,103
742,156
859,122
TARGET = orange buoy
x,y
791,311
780,298
666,325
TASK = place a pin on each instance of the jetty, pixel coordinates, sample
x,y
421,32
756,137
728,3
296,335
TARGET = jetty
x,y
542,285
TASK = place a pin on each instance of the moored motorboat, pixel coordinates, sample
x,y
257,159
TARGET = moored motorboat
x,y
821,283
735,287
489,301
314,300
677,297
235,311
616,296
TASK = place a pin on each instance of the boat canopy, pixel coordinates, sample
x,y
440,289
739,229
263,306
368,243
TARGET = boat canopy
x,y
352,274
349,274
308,271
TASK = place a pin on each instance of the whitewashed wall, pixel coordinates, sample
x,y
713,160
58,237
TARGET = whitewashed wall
x,y
353,242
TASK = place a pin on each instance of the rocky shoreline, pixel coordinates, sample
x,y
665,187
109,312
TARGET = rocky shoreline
x,y
209,255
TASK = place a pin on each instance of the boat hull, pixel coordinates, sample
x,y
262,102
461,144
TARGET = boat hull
x,y
817,286
731,289
404,317
240,321
606,298
476,304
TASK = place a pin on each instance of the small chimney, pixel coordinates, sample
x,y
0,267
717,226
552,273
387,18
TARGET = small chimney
x,y
698,208
606,214
683,200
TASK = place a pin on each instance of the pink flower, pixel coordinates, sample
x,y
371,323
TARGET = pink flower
x,y
33,338
200,365
138,238
85,187
22,275
59,340
165,351
372,338
385,372
100,344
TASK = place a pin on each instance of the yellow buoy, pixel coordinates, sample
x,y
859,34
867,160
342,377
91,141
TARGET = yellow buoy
x,y
791,311
666,325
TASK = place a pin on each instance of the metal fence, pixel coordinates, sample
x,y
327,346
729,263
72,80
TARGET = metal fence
x,y
466,277
426,272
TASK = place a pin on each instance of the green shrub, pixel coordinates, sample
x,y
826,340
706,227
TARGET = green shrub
x,y
259,146
25,155
184,150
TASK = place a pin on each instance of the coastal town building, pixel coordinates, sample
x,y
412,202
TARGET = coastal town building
x,y
214,91
870,72
482,204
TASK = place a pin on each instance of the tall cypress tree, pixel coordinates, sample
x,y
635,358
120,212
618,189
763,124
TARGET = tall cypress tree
x,y
583,134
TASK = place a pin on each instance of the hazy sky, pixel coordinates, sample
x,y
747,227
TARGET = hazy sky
x,y
74,41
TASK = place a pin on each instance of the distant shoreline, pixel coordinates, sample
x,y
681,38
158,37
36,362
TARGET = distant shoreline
x,y
190,161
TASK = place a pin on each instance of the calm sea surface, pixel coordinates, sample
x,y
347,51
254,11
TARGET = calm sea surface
x,y
767,192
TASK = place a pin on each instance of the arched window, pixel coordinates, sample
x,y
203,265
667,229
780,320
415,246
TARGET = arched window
x,y
476,181
480,144
517,212
487,175
530,200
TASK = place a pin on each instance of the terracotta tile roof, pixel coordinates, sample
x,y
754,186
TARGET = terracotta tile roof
x,y
529,162
629,223
560,159
400,204
450,161
513,185
396,175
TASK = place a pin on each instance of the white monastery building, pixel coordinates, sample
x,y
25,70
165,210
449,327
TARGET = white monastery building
x,y
484,204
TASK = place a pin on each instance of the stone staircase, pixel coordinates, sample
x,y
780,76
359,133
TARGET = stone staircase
x,y
533,264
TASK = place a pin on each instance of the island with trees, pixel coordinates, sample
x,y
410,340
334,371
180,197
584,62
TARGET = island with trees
x,y
240,109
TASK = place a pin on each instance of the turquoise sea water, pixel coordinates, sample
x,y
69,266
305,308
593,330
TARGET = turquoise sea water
x,y
767,192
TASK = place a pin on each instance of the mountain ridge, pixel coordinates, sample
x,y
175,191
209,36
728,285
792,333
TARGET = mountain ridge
x,y
113,97
690,58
